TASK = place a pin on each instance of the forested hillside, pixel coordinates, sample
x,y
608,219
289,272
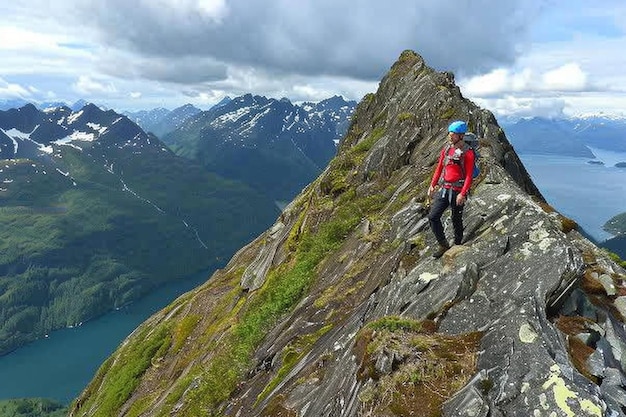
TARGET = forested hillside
x,y
97,213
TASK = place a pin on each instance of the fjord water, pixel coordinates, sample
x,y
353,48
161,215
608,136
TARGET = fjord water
x,y
60,367
586,192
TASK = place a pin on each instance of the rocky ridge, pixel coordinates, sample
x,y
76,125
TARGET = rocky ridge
x,y
338,309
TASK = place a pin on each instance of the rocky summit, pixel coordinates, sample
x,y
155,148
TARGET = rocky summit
x,y
339,309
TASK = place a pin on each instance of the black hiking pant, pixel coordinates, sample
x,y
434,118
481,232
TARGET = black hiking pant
x,y
442,199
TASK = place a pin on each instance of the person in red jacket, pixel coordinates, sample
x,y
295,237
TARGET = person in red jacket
x,y
450,185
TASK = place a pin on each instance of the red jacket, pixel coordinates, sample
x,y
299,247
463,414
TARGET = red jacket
x,y
453,171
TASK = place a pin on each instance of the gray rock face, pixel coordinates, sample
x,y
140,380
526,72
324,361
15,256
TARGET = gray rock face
x,y
515,271
255,273
523,319
499,283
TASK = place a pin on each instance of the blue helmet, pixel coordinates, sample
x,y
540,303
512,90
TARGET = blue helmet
x,y
458,127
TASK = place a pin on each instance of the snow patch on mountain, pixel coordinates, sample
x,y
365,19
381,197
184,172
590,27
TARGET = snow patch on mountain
x,y
288,119
100,129
74,116
67,141
17,134
608,116
246,128
231,117
76,136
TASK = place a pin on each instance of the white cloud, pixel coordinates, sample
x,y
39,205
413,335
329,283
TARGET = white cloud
x,y
87,85
40,50
524,106
12,90
212,9
176,51
495,82
16,39
568,77
320,37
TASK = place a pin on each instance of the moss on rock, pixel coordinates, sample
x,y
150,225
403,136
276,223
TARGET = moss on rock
x,y
411,370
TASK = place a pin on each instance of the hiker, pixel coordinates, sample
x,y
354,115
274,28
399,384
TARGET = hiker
x,y
453,176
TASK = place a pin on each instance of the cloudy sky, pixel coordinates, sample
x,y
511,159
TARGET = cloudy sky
x,y
515,57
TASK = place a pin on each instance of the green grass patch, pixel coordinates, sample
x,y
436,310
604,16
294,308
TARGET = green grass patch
x,y
394,324
367,143
428,368
284,288
294,233
338,179
616,258
291,355
124,372
184,329
140,406
447,113
380,118
32,407
406,116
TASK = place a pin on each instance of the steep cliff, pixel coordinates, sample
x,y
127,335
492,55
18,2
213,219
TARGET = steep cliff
x,y
339,310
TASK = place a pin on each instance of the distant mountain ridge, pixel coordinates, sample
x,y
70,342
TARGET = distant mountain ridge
x,y
97,213
617,226
17,103
272,145
162,121
568,137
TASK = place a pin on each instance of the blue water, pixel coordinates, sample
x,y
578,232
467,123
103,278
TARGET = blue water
x,y
588,193
60,366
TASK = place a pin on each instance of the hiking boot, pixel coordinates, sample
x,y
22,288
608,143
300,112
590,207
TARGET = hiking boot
x,y
440,251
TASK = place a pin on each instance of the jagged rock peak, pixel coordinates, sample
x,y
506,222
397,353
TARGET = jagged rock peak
x,y
339,309
408,117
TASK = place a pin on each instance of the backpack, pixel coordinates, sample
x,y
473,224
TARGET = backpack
x,y
470,142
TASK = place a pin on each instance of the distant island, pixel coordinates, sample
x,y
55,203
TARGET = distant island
x,y
621,165
616,225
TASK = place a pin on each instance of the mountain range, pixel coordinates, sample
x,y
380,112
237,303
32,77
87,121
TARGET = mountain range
x,y
272,145
567,136
338,309
97,213
161,121
17,103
